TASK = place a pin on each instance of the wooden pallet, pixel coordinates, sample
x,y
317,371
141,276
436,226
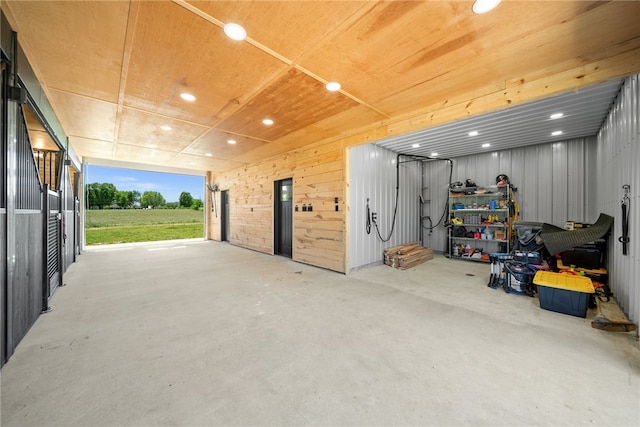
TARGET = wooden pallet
x,y
406,256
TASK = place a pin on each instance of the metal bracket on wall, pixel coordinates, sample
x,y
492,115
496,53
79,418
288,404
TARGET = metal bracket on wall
x,y
17,94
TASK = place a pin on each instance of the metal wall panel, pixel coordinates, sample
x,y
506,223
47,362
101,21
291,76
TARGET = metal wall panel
x,y
527,124
26,303
551,181
372,175
436,180
618,163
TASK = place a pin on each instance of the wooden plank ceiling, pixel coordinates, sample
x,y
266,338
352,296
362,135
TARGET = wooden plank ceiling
x,y
114,70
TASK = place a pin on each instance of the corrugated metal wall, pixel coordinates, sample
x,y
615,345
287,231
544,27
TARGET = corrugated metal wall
x,y
372,175
555,182
618,163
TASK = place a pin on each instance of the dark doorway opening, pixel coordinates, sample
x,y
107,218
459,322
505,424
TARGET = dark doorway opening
x,y
283,217
224,215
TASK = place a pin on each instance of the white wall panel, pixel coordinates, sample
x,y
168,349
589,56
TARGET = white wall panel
x,y
551,183
372,175
618,163
436,182
560,191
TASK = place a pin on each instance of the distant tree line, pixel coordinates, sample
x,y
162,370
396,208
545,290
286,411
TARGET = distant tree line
x,y
107,196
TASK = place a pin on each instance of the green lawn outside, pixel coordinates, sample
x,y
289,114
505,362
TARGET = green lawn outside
x,y
142,225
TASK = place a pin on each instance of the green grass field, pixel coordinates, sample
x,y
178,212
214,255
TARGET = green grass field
x,y
136,225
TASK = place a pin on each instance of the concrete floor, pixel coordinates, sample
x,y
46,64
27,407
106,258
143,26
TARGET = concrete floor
x,y
200,333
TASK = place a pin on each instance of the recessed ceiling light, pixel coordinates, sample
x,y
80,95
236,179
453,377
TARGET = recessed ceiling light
x,y
231,141
267,122
556,133
187,97
474,133
333,86
484,6
486,145
165,127
152,146
208,154
556,116
416,145
235,31
434,154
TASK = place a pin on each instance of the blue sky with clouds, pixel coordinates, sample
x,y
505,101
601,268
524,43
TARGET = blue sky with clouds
x,y
169,185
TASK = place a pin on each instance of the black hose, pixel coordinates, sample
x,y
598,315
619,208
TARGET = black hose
x,y
445,211
395,209
368,223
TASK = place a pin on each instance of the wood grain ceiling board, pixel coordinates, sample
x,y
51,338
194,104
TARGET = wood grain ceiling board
x,y
144,129
85,147
293,102
564,44
176,51
413,45
41,140
204,163
299,24
368,56
78,46
263,152
135,153
85,117
215,143
343,123
38,136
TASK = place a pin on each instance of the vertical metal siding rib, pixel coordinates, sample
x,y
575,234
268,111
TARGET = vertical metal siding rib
x,y
617,164
373,176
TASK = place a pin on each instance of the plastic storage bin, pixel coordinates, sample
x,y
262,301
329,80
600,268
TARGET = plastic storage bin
x,y
599,275
564,293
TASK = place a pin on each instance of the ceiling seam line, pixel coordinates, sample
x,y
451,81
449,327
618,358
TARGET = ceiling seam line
x,y
188,146
153,113
132,21
345,93
276,55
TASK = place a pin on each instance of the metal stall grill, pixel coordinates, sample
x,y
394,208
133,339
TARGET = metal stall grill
x,y
49,164
53,242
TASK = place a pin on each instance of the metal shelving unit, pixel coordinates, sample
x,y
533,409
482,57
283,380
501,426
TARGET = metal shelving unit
x,y
475,218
